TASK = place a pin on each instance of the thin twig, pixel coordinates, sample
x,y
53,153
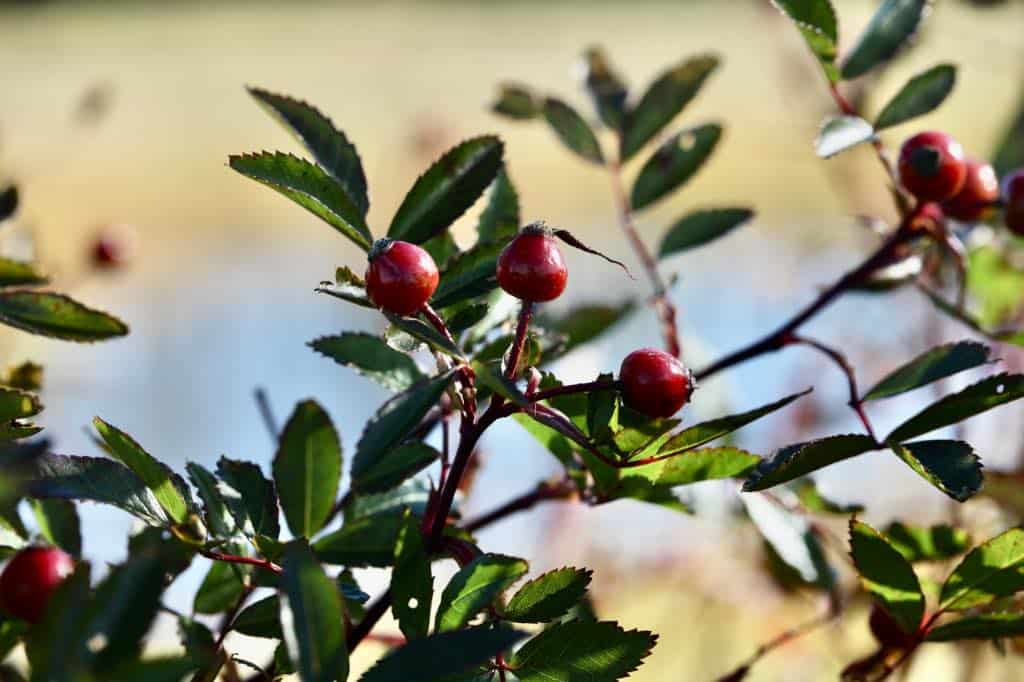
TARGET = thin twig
x,y
522,328
265,564
570,389
779,640
263,404
543,492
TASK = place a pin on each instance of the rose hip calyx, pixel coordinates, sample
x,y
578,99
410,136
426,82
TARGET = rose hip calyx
x,y
531,267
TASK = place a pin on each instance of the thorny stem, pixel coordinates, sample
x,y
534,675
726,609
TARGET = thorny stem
x,y
516,352
265,564
665,309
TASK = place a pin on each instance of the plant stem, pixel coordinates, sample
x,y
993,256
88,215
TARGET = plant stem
x,y
570,389
779,640
374,612
263,404
265,564
229,617
545,491
848,109
522,328
666,311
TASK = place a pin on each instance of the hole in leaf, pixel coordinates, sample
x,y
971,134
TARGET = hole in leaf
x,y
687,142
97,642
1000,388
413,602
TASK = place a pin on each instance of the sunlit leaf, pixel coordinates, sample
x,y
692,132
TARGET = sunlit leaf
x,y
887,576
572,129
582,651
938,363
307,468
991,570
980,397
371,357
949,465
548,596
840,133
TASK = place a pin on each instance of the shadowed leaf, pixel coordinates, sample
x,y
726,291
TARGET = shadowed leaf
x,y
949,465
701,227
937,363
311,617
517,102
980,397
984,626
922,94
371,357
438,656
887,576
917,543
801,459
572,129
674,163
412,586
891,27
582,651
307,468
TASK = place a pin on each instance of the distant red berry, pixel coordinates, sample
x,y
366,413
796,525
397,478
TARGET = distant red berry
x,y
401,277
654,382
928,216
886,630
30,579
931,166
981,189
532,268
1013,195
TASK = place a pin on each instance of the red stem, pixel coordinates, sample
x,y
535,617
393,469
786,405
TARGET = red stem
x,y
570,389
522,328
265,564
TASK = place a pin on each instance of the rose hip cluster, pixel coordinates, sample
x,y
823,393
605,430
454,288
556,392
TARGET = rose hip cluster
x,y
933,168
402,277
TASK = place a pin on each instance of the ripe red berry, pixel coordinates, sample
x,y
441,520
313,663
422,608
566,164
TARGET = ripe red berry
x,y
932,167
531,267
30,579
887,631
654,382
401,277
981,188
1013,195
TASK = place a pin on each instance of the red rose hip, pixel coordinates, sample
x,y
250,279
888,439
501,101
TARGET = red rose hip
x,y
980,190
30,579
654,382
531,267
931,166
401,277
1013,195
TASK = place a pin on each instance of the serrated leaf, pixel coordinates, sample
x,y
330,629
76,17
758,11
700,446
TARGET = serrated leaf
x,y
328,145
548,596
412,494
475,587
949,465
348,286
449,187
364,541
917,543
572,129
839,133
312,617
890,28
307,468
676,161
8,202
371,357
499,221
59,524
983,626
1009,153
310,187
887,576
424,333
250,497
662,102
517,102
816,21
803,458
471,274
434,658
693,466
991,570
219,590
215,511
582,651
922,94
701,227
980,397
412,585
938,363
792,539
17,273
57,316
395,466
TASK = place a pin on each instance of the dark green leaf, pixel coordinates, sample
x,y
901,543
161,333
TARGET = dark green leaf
x,y
922,93
250,497
606,87
307,469
215,511
433,658
813,501
1009,154
662,102
803,458
949,465
887,576
16,273
59,524
935,364
198,641
975,399
693,466
308,186
582,651
499,220
55,647
12,632
891,27
412,585
700,227
793,540
917,543
447,189
371,357
984,626
8,202
261,619
469,275
991,570
166,487
166,669
572,129
394,466
463,318
365,541
674,163
58,316
517,102
475,587
348,286
15,404
840,133
424,333
816,21
489,375
412,494
311,617
442,248
220,589
548,596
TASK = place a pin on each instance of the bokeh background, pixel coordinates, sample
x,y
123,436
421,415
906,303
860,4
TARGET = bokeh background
x,y
117,118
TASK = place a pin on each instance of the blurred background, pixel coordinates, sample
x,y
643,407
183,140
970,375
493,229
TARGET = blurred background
x,y
117,119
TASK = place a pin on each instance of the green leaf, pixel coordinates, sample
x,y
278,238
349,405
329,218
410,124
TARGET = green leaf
x,y
984,626
164,669
938,363
813,501
1009,153
364,541
413,494
475,587
996,283
58,316
312,617
605,86
412,585
582,651
215,511
701,227
469,275
434,658
371,357
15,273
548,596
15,404
489,375
887,576
59,524
662,102
310,187
447,189
975,399
328,145
991,570
676,161
803,458
54,647
816,21
442,248
250,497
348,286
693,466
8,202
166,487
922,94
891,27
839,133
394,466
517,102
307,469
949,465
792,538
586,322
572,129
425,333
917,543
394,421
465,317
220,589
261,619
499,221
